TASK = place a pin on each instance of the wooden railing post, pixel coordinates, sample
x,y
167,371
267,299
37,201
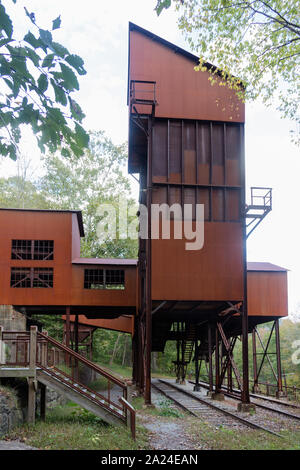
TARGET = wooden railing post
x,y
32,383
130,416
44,351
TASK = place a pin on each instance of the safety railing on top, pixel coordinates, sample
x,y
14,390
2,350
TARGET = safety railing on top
x,y
67,366
261,197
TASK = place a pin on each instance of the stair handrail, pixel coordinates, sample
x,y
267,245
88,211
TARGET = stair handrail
x,y
86,361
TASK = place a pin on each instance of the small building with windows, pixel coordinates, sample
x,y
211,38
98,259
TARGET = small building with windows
x,y
42,272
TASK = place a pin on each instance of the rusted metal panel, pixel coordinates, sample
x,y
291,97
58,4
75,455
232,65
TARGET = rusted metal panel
x,y
124,323
150,59
37,225
199,175
63,228
103,297
196,152
267,292
213,273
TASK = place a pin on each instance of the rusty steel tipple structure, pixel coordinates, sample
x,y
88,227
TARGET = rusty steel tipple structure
x,y
186,142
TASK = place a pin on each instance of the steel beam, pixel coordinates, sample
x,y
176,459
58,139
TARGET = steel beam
x,y
210,353
278,358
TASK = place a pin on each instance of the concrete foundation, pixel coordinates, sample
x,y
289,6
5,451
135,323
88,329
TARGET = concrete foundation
x,y
246,407
217,396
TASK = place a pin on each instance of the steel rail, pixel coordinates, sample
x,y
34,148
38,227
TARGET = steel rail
x,y
268,408
216,408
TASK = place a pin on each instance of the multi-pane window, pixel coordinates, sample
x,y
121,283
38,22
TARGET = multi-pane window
x,y
40,250
31,277
104,279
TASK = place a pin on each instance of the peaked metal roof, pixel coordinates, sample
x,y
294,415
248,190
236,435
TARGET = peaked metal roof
x,y
263,266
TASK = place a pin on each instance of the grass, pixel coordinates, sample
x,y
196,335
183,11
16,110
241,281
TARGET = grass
x,y
126,372
222,438
69,427
163,408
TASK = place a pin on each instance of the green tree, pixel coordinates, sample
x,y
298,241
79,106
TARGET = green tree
x,y
84,183
256,40
17,193
38,77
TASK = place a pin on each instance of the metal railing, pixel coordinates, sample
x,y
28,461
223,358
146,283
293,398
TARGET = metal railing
x,y
39,351
142,92
261,197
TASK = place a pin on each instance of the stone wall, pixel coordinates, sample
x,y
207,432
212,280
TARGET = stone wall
x,y
10,410
12,320
53,399
13,404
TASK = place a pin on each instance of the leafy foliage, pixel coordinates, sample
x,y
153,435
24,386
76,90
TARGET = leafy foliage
x,y
38,77
97,177
257,41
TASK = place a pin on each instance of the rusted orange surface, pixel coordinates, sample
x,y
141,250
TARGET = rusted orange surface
x,y
123,324
68,278
213,273
37,225
181,92
106,297
267,293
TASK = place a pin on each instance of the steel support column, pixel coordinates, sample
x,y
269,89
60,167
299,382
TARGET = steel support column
x,y
245,395
278,358
197,368
135,353
210,362
217,363
148,338
255,376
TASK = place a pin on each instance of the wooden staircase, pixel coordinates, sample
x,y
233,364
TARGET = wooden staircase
x,y
44,360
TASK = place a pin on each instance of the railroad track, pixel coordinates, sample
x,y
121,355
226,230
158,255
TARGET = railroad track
x,y
255,400
203,407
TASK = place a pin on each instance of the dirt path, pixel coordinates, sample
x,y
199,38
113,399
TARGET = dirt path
x,y
167,433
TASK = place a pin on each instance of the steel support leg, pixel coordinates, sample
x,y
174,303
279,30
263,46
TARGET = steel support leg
x,y
245,395
217,362
210,361
278,358
148,271
255,377
197,369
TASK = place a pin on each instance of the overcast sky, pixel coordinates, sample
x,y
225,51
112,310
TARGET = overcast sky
x,y
98,32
